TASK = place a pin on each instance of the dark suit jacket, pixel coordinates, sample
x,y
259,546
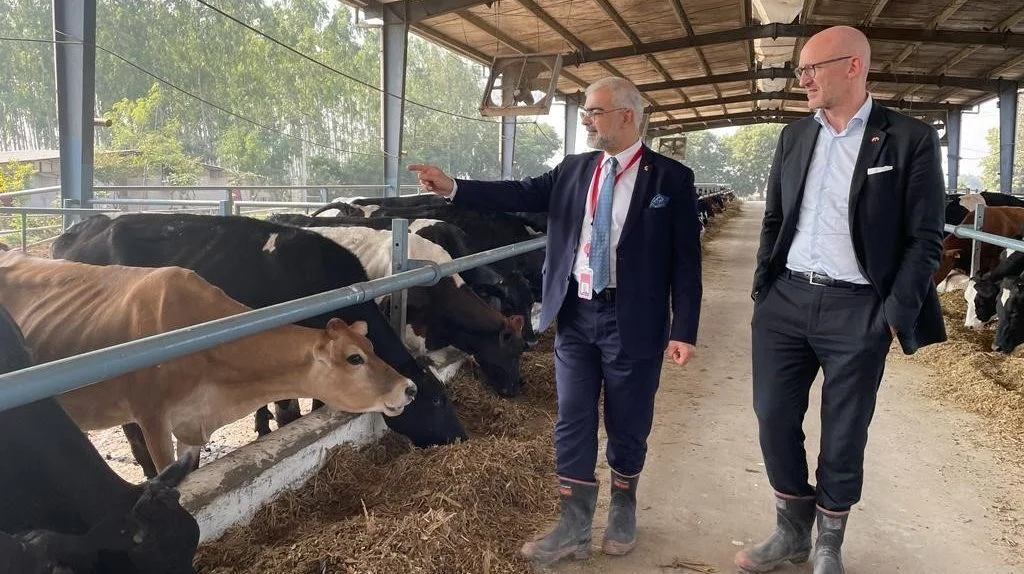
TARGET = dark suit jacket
x,y
896,217
658,252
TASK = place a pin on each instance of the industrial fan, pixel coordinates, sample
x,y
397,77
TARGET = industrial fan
x,y
521,85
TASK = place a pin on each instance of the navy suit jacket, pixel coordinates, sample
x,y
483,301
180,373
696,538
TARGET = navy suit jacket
x,y
658,258
896,217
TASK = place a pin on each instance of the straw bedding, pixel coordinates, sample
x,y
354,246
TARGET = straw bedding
x,y
390,508
974,377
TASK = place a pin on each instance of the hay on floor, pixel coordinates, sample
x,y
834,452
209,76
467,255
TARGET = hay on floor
x,y
969,374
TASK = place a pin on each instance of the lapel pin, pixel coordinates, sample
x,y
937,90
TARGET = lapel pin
x,y
874,139
646,167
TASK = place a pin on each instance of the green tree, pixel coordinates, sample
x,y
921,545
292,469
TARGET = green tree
x,y
14,176
708,157
990,164
751,149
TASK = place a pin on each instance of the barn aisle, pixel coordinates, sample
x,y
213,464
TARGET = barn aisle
x,y
936,498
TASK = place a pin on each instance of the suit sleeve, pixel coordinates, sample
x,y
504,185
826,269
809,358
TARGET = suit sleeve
x,y
687,288
924,202
532,194
772,222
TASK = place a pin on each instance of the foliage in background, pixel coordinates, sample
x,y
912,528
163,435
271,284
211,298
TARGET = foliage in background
x,y
314,123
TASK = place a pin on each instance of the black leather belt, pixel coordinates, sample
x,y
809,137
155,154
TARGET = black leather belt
x,y
824,280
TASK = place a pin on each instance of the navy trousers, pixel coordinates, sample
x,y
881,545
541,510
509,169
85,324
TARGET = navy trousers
x,y
798,329
588,353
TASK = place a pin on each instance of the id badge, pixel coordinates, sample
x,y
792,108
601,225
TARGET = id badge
x,y
586,283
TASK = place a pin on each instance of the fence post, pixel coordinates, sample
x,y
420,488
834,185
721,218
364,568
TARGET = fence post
x,y
979,223
227,207
24,231
399,263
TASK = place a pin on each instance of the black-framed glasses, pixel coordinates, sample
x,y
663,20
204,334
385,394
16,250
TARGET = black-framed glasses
x,y
811,69
585,113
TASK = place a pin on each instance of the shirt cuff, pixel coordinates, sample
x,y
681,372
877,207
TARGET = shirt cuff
x,y
455,188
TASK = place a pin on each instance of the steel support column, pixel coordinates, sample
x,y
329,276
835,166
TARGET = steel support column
x,y
572,114
508,145
953,120
74,34
1007,135
395,37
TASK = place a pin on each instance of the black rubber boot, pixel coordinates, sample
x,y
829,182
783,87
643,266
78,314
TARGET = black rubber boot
x,y
571,536
791,541
620,535
828,555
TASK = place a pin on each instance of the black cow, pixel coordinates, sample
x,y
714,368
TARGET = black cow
x,y
987,286
509,294
62,509
259,264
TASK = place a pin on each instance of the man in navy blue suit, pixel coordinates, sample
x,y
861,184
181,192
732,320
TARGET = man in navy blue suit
x,y
622,274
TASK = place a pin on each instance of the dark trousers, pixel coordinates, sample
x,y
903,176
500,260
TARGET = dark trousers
x,y
798,328
587,353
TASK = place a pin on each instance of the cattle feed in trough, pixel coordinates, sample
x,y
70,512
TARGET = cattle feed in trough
x,y
228,252
64,510
66,308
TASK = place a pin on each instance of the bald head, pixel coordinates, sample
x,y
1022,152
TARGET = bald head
x,y
842,41
833,69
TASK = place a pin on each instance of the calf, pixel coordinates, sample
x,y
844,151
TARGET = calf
x,y
67,308
261,264
64,510
448,313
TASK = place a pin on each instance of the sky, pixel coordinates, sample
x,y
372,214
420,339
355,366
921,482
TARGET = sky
x,y
973,128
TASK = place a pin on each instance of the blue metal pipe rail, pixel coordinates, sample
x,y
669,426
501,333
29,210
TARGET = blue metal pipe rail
x,y
56,377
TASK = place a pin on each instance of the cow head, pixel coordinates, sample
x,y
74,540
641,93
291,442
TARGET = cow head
x,y
512,296
981,293
951,258
499,357
349,376
1010,310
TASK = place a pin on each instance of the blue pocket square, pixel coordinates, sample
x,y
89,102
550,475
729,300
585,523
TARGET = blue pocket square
x,y
658,201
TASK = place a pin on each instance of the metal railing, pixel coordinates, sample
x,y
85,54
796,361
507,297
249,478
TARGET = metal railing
x,y
977,237
56,377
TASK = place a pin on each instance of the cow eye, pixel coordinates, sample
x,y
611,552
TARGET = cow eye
x,y
355,359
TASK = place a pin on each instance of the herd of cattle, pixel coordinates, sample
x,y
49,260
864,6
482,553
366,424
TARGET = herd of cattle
x,y
996,291
118,279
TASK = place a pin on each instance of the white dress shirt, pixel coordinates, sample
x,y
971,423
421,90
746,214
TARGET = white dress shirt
x,y
622,193
822,243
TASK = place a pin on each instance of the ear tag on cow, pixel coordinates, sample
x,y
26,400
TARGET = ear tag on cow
x,y
586,282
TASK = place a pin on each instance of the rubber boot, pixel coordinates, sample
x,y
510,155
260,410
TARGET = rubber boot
x,y
828,555
791,541
620,535
571,536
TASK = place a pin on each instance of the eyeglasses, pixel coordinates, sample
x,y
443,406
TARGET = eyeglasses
x,y
585,113
811,69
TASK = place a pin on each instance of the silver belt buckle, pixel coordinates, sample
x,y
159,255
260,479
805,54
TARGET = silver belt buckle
x,y
811,281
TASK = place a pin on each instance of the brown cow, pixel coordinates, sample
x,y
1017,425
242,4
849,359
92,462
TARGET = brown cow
x,y
1003,221
66,308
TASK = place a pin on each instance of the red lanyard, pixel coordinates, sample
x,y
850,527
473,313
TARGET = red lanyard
x,y
597,177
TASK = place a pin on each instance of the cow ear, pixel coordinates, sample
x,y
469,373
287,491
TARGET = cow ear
x,y
517,323
360,327
335,327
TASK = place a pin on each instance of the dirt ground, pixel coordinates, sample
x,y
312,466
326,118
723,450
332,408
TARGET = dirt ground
x,y
939,495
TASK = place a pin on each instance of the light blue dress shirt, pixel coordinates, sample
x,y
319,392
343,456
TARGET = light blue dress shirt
x,y
822,243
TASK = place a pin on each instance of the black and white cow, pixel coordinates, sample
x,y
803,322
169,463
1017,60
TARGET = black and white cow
x,y
485,230
510,293
259,264
63,510
982,292
447,314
